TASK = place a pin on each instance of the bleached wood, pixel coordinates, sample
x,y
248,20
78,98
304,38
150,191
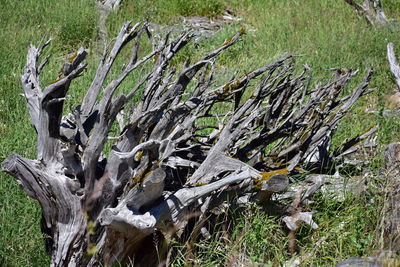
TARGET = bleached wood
x,y
166,162
394,65
372,10
390,232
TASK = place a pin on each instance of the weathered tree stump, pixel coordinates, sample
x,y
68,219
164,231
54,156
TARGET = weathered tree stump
x,y
102,206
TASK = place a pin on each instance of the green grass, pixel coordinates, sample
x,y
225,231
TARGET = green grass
x,y
328,33
346,229
250,233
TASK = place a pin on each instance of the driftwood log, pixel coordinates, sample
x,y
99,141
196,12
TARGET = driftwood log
x,y
185,146
372,10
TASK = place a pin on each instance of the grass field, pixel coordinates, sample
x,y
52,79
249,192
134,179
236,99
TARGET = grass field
x,y
327,32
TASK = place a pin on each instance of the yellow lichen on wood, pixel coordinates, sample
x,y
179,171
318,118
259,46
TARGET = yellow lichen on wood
x,y
146,175
299,169
135,180
71,58
265,176
56,80
139,178
369,129
229,87
91,228
231,157
304,137
324,104
138,156
155,58
228,41
342,71
60,72
235,85
171,130
92,249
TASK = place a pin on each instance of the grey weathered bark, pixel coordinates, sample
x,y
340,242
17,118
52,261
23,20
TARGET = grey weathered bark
x,y
372,10
168,160
391,218
394,65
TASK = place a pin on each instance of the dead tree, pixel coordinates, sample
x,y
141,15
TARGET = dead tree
x,y
394,65
186,146
372,10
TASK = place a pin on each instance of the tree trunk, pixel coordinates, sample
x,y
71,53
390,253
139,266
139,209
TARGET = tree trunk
x,y
168,162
